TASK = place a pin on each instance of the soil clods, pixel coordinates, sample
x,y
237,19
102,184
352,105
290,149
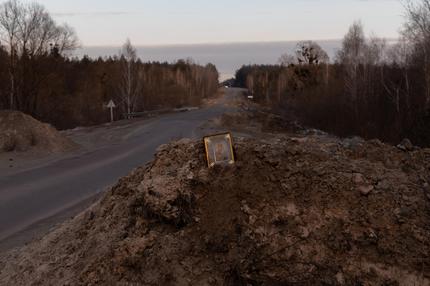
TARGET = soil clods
x,y
311,210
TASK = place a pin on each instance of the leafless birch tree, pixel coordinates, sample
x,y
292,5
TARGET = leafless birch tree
x,y
130,84
351,56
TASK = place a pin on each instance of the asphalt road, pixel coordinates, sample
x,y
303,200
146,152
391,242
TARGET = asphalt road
x,y
36,195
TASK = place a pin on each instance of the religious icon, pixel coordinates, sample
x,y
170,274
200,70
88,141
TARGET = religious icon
x,y
219,149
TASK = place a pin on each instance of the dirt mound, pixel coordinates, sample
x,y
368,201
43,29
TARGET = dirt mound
x,y
292,211
259,121
254,118
21,132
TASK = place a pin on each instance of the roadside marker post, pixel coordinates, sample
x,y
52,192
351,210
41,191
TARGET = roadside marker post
x,y
111,105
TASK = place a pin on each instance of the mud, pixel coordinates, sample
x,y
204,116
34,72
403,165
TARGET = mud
x,y
311,210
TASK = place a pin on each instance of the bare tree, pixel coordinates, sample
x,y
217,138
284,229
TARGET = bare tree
x,y
351,56
417,31
10,16
400,53
353,46
65,39
309,52
375,52
287,60
29,32
130,84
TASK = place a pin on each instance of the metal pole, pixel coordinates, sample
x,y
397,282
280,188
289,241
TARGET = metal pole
x,y
111,114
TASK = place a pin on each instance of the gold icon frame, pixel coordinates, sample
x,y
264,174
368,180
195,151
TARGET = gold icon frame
x,y
219,149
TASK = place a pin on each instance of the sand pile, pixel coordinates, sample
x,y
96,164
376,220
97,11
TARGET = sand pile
x,y
21,132
292,211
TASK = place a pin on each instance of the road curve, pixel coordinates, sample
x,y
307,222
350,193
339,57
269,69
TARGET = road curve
x,y
37,194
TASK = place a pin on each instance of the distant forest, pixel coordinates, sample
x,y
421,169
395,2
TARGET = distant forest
x,y
370,89
39,78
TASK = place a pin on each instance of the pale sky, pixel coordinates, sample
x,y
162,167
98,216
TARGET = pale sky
x,y
160,22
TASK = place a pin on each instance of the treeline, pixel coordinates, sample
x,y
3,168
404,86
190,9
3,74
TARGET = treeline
x,y
73,92
372,89
38,77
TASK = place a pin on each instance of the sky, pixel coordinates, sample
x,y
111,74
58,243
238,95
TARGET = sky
x,y
167,22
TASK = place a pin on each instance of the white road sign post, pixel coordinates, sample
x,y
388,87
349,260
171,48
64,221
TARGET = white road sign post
x,y
111,105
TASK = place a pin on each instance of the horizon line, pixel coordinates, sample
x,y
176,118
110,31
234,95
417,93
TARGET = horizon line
x,y
219,43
